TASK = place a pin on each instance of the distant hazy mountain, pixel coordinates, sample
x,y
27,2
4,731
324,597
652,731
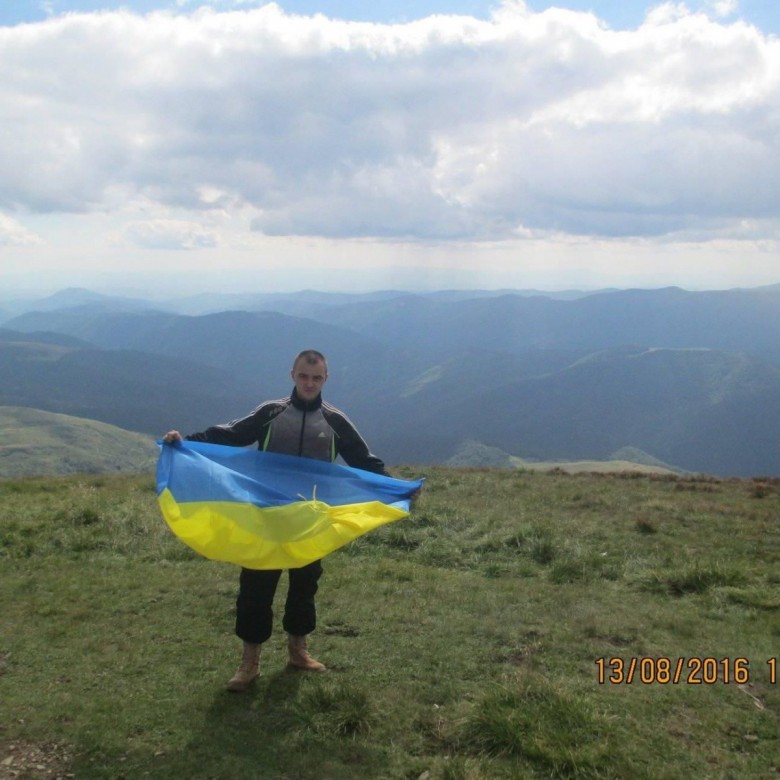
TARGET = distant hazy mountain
x,y
73,297
472,453
49,338
255,346
305,303
313,304
689,378
739,321
734,320
700,410
134,390
33,442
79,296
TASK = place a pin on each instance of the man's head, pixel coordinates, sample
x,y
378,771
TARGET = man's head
x,y
309,372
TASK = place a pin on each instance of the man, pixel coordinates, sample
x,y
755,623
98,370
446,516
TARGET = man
x,y
304,425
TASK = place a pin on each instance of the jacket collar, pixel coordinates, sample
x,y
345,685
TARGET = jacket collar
x,y
305,406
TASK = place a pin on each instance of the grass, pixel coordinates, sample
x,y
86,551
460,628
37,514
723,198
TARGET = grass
x,y
475,639
37,442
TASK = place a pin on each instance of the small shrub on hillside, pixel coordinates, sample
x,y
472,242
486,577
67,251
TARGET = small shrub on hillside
x,y
541,548
494,571
569,569
443,554
85,516
583,567
763,598
461,769
400,539
515,542
645,526
695,579
336,710
536,542
761,489
553,730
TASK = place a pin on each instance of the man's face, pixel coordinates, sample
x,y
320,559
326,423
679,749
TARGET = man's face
x,y
309,378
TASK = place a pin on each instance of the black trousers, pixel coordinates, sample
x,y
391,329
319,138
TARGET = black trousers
x,y
254,606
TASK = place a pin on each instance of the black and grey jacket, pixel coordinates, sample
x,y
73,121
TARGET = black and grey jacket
x,y
292,426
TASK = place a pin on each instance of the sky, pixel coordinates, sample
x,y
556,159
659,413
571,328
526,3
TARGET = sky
x,y
181,146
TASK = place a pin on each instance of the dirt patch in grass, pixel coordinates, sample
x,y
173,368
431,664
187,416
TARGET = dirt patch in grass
x,y
35,760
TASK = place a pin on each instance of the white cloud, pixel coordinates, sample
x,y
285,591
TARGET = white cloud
x,y
445,128
724,8
12,234
170,234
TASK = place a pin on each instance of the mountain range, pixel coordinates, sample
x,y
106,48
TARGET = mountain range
x,y
690,379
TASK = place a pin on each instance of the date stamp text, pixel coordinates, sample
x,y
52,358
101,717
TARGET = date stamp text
x,y
695,670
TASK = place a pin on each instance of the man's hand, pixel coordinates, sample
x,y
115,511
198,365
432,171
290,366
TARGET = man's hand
x,y
172,437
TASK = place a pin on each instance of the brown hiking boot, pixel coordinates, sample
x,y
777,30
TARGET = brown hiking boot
x,y
299,657
248,671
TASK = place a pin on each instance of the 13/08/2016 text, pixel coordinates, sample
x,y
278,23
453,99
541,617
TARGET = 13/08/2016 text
x,y
696,670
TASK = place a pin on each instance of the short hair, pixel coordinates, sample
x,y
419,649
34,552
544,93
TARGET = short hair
x,y
311,356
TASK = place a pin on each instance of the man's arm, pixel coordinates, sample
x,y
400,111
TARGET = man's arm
x,y
350,444
238,433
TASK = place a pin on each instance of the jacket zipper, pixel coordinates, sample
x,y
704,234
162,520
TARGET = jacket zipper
x,y
300,440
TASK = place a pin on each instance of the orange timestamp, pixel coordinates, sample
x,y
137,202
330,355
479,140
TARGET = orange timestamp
x,y
696,670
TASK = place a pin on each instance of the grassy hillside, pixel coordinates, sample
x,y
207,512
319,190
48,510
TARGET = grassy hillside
x,y
518,625
33,442
474,454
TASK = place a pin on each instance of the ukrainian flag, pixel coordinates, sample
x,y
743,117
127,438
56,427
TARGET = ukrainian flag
x,y
263,510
